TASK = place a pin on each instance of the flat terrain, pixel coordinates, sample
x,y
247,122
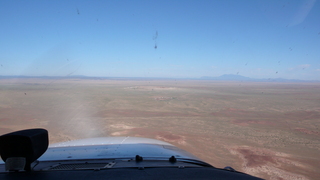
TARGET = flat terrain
x,y
270,130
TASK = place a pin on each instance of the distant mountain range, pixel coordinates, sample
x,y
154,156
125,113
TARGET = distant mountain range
x,y
233,77
225,77
228,77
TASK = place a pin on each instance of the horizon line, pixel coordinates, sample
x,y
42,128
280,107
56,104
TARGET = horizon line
x,y
217,78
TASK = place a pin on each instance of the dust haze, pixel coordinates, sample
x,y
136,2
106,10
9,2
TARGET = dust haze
x,y
269,130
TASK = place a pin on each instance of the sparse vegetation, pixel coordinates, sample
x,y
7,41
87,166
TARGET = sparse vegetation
x,y
273,134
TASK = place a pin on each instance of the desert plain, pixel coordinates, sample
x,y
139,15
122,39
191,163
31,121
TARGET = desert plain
x,y
266,129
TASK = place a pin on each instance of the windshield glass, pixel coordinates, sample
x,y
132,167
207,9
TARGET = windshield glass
x,y
236,83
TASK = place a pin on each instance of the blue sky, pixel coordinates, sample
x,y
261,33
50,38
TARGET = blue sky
x,y
258,39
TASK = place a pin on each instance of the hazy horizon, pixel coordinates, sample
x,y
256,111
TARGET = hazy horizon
x,y
232,77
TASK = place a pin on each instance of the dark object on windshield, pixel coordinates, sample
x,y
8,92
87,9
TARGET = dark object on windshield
x,y
19,149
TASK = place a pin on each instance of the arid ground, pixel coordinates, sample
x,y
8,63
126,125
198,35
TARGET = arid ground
x,y
270,130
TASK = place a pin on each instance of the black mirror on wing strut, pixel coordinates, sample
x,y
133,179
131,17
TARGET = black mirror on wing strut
x,y
19,149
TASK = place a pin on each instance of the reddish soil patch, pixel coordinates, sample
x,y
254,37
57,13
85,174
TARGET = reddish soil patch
x,y
272,164
302,115
142,132
292,115
17,115
246,122
138,113
236,113
254,159
307,131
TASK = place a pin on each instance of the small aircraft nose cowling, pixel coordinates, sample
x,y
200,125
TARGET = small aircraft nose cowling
x,y
23,147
